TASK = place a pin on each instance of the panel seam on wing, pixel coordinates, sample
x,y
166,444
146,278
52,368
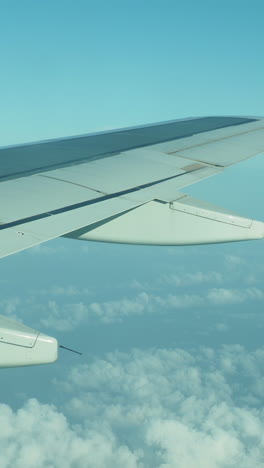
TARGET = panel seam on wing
x,y
186,148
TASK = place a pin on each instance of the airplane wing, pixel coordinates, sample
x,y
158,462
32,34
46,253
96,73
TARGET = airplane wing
x,y
118,186
124,185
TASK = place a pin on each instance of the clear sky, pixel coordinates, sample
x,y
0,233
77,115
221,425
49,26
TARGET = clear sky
x,y
172,370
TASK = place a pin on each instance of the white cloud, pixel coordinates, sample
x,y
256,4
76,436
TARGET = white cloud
x,y
63,317
188,279
38,435
154,408
186,447
66,316
233,260
179,280
179,301
115,311
179,409
220,296
225,296
208,297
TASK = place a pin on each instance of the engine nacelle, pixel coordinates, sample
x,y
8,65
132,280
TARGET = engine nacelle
x,y
23,346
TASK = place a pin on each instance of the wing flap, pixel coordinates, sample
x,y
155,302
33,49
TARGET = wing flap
x,y
31,196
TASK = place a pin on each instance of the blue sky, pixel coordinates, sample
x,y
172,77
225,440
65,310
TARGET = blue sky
x,y
172,337
70,67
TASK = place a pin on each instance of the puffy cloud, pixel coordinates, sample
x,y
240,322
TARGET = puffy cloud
x,y
186,447
179,409
39,435
153,408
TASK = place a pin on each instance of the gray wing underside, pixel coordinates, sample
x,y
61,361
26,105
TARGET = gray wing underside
x,y
54,188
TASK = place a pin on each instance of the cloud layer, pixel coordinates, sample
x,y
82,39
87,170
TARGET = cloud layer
x,y
146,409
69,315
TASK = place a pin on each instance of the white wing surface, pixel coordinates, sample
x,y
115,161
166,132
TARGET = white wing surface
x,y
123,185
